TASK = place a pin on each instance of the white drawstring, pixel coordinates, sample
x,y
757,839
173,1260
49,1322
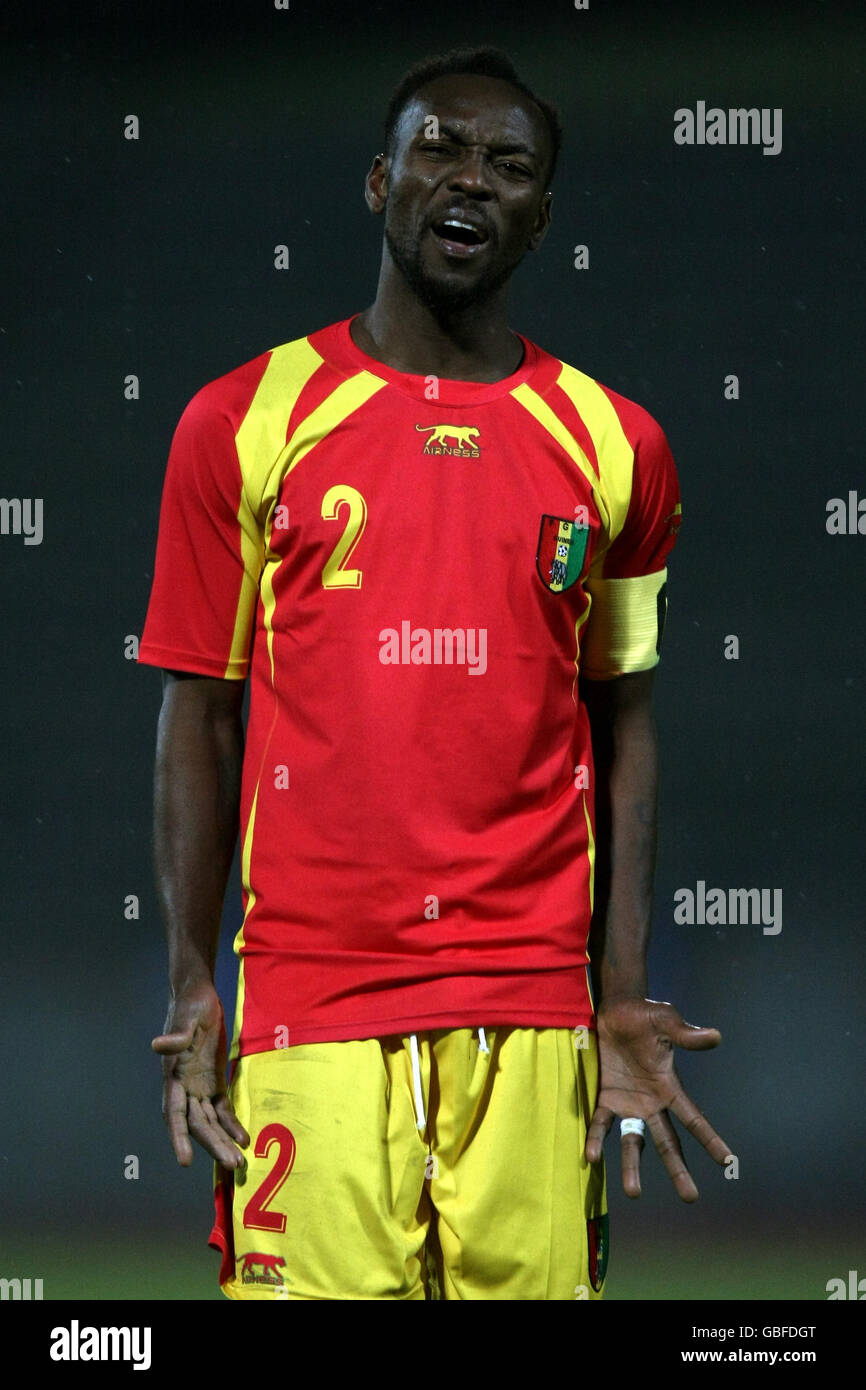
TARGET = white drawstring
x,y
420,1119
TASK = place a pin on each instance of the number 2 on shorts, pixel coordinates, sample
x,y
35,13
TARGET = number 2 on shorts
x,y
256,1215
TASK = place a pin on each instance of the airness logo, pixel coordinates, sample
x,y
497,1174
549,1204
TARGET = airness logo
x,y
464,437
258,1268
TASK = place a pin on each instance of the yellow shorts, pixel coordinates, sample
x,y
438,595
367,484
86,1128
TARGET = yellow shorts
x,y
441,1165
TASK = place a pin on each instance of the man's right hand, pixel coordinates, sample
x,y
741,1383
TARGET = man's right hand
x,y
194,1100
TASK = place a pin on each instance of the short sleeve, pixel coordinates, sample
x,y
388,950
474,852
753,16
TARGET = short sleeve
x,y
209,552
627,581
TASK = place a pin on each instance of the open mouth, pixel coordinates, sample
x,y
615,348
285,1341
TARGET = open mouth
x,y
459,237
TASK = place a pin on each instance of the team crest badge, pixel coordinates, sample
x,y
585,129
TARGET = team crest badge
x,y
561,548
598,1242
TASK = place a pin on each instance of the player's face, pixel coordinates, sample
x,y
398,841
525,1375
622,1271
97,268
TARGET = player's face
x,y
464,194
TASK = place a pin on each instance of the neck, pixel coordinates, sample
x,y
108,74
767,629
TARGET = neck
x,y
473,343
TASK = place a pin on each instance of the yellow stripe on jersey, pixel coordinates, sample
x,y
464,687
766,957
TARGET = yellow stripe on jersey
x,y
246,856
611,487
259,442
538,407
261,438
590,854
577,657
623,634
266,458
343,401
348,397
612,449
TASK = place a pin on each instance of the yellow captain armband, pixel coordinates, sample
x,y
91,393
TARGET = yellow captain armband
x,y
625,625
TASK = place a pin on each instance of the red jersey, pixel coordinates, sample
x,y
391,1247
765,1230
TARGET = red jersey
x,y
412,571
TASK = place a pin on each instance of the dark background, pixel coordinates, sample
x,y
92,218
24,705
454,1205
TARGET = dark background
x,y
155,257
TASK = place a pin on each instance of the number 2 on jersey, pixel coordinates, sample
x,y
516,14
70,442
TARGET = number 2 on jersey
x,y
256,1214
334,576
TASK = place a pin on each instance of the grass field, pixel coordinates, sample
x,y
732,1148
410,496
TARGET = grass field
x,y
170,1271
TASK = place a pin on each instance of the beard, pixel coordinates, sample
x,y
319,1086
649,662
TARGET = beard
x,y
445,296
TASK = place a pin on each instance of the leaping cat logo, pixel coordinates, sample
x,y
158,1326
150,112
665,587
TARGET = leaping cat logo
x,y
464,436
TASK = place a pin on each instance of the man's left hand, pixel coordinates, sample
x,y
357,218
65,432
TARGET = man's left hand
x,y
638,1080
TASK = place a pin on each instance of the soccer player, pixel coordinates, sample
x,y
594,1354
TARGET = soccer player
x,y
439,554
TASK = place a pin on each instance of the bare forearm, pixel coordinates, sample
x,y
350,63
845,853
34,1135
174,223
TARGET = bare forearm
x,y
626,789
196,799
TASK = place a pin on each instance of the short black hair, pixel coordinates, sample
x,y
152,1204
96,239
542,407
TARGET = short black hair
x,y
477,62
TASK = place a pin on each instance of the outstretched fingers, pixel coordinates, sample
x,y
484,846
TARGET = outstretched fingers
x,y
230,1122
597,1133
632,1148
205,1127
699,1127
174,1110
670,1152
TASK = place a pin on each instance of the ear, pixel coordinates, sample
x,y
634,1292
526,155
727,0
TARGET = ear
x,y
375,185
542,222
